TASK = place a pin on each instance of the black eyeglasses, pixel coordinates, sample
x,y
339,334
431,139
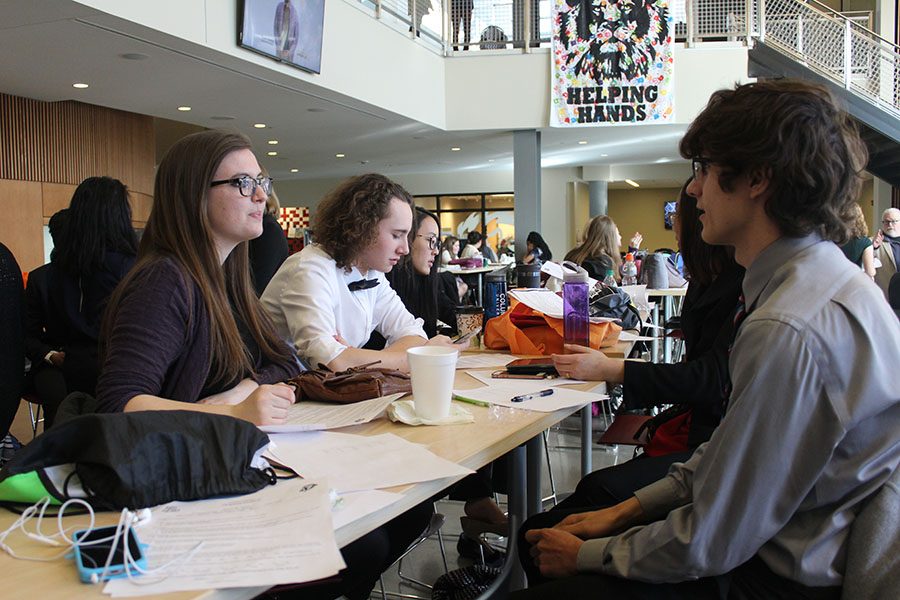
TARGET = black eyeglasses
x,y
247,185
700,166
433,241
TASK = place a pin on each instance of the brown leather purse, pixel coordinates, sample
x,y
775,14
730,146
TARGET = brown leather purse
x,y
353,385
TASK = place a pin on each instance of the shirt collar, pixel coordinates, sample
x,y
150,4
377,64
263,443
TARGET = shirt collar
x,y
767,263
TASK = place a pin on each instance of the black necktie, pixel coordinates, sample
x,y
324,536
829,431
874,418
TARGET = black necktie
x,y
362,284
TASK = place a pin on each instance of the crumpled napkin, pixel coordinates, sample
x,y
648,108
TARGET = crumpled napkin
x,y
405,412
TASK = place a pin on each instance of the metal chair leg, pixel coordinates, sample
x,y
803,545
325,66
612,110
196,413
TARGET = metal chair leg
x,y
552,495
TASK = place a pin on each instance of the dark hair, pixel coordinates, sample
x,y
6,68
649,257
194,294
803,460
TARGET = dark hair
x,y
178,228
794,134
98,221
56,226
703,262
346,220
538,242
474,237
418,292
448,242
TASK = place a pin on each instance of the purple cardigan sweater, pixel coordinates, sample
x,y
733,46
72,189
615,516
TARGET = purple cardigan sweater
x,y
159,343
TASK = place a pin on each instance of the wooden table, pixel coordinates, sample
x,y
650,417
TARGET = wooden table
x,y
496,431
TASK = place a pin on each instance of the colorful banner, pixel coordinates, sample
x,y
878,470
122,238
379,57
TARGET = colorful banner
x,y
612,63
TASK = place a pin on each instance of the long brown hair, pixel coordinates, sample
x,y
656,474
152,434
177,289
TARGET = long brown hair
x,y
599,239
178,228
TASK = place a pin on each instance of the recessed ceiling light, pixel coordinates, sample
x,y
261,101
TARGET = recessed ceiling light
x,y
134,56
340,155
604,155
272,153
582,142
259,125
490,160
80,86
222,118
295,170
455,149
273,142
184,108
632,183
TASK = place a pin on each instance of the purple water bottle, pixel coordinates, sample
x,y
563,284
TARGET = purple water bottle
x,y
495,300
576,316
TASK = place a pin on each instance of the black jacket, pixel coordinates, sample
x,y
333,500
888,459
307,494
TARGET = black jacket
x,y
706,324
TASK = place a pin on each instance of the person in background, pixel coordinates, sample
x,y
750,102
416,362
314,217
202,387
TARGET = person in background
x,y
44,330
859,249
12,354
461,14
488,252
474,242
694,387
449,250
764,509
599,249
270,250
887,248
504,248
329,298
536,248
93,251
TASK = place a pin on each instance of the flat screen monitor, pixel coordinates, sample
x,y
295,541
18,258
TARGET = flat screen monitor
x,y
289,31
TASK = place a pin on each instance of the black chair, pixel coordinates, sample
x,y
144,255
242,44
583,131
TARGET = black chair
x,y
500,588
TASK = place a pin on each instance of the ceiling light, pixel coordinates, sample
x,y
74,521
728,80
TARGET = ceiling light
x,y
272,153
259,125
582,142
340,155
184,108
80,86
295,170
490,160
455,149
222,118
632,183
273,142
604,155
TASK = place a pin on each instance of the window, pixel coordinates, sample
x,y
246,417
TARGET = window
x,y
491,214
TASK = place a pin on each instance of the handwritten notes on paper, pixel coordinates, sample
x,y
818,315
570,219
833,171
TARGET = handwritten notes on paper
x,y
316,416
280,534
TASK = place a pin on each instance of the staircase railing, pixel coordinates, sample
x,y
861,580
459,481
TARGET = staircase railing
x,y
834,46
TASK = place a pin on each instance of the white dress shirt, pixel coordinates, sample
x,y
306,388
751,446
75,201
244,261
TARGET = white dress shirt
x,y
310,302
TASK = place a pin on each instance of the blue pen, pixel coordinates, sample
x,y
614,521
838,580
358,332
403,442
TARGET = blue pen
x,y
525,397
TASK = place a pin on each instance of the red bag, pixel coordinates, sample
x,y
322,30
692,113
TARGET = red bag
x,y
523,330
670,435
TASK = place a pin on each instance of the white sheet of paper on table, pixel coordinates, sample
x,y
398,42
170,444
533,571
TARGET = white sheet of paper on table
x,y
560,398
555,270
520,384
486,360
280,534
356,505
316,416
357,462
628,336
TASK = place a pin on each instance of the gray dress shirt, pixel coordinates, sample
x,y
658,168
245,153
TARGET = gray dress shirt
x,y
812,430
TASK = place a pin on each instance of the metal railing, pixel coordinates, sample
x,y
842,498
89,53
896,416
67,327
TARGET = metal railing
x,y
834,46
838,46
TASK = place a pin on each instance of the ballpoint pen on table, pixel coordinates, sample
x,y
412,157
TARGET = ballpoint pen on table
x,y
525,397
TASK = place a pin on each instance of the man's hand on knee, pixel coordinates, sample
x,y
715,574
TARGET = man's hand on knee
x,y
554,552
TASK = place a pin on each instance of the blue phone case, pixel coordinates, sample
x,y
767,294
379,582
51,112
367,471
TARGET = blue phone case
x,y
116,569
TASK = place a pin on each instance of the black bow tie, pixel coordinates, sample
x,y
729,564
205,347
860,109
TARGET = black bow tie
x,y
362,284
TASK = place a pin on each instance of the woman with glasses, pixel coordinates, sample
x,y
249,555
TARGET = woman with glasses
x,y
184,330
329,298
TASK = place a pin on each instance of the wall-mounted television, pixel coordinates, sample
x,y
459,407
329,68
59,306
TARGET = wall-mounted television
x,y
289,31
668,212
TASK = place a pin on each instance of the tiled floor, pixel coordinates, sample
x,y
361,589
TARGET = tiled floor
x,y
425,564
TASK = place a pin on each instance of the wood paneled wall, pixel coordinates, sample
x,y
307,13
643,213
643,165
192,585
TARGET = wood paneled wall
x,y
48,148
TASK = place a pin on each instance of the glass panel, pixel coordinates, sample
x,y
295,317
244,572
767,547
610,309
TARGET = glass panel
x,y
461,202
499,226
426,202
499,201
459,224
